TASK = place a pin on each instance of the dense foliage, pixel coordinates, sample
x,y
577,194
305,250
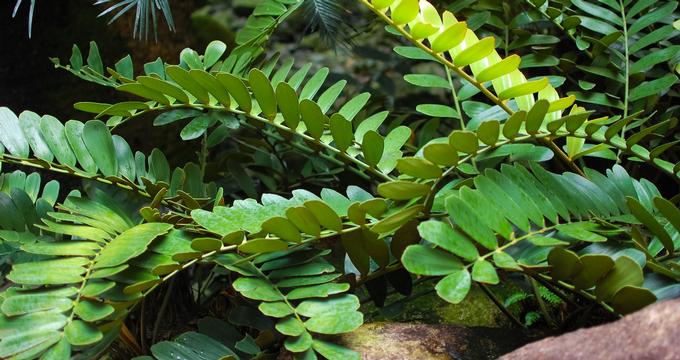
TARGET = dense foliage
x,y
521,161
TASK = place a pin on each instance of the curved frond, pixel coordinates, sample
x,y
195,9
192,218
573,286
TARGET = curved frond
x,y
80,290
89,150
298,289
329,18
626,41
146,14
31,10
562,228
215,339
24,200
288,103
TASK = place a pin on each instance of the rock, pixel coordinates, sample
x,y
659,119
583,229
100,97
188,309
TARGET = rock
x,y
424,306
422,326
651,333
395,341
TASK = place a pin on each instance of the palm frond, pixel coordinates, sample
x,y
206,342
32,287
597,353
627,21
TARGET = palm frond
x,y
145,12
30,14
329,18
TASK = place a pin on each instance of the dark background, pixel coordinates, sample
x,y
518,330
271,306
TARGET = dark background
x,y
28,79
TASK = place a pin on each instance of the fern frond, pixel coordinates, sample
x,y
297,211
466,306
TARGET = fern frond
x,y
531,318
66,300
145,14
549,296
24,200
627,40
516,298
95,263
286,102
297,288
89,150
526,220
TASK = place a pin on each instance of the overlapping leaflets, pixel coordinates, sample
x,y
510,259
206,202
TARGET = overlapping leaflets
x,y
303,217
604,237
88,150
506,79
633,37
278,99
75,294
465,49
538,207
297,288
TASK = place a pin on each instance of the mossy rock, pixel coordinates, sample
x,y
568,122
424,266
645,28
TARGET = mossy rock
x,y
387,341
424,306
211,24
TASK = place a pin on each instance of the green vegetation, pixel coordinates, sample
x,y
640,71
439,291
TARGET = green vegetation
x,y
519,165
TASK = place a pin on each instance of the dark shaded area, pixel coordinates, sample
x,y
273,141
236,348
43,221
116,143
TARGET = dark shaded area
x,y
28,79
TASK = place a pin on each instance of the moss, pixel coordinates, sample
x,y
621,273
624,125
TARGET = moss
x,y
425,306
210,26
476,310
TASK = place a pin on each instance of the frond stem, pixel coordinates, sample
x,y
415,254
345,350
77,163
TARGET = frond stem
x,y
626,72
499,304
375,173
9,159
469,78
454,95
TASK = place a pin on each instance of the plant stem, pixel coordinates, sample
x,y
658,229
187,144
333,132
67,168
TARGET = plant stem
x,y
454,95
61,169
383,271
373,172
562,155
580,292
129,339
203,155
500,305
469,78
331,159
142,340
544,308
626,73
161,311
126,185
